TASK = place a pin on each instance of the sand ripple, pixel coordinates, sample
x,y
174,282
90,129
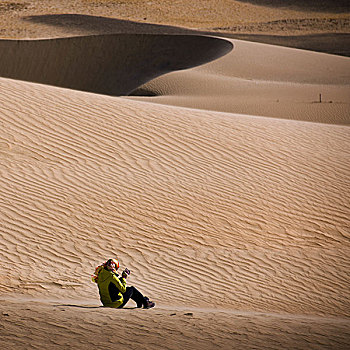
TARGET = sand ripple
x,y
205,208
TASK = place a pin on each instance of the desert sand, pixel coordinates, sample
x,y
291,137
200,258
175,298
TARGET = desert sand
x,y
210,166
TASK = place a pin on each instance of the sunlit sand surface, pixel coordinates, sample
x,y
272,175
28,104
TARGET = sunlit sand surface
x,y
221,181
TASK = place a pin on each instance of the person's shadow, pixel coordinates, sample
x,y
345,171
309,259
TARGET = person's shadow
x,y
92,307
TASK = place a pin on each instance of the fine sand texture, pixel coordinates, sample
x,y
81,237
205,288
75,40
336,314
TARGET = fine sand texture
x,y
33,19
220,178
237,226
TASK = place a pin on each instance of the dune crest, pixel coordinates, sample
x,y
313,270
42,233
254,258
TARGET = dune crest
x,y
112,64
260,79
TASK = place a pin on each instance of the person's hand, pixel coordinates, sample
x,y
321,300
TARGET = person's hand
x,y
125,273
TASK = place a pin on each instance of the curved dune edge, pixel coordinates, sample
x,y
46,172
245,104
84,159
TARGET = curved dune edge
x,y
112,64
261,79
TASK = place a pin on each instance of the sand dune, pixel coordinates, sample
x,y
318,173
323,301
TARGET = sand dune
x,y
106,64
95,175
260,79
226,193
208,210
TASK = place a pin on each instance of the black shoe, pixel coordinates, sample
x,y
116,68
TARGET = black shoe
x,y
149,304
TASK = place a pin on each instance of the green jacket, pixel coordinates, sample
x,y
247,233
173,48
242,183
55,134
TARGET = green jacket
x,y
111,287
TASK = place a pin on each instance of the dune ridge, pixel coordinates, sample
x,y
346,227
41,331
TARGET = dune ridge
x,y
113,64
260,79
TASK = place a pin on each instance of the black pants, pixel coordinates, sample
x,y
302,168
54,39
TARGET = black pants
x,y
134,294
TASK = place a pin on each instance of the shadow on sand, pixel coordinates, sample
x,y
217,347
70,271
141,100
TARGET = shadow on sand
x,y
332,6
91,307
85,24
333,43
110,64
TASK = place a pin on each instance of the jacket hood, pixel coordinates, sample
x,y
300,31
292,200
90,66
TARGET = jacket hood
x,y
104,275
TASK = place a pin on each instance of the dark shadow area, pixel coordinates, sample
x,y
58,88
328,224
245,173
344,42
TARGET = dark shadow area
x,y
111,64
332,43
79,306
141,91
333,6
91,307
85,24
117,64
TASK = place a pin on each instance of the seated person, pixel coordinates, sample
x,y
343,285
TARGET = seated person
x,y
112,287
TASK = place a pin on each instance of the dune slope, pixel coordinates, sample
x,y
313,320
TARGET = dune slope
x,y
183,197
235,223
260,79
112,64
